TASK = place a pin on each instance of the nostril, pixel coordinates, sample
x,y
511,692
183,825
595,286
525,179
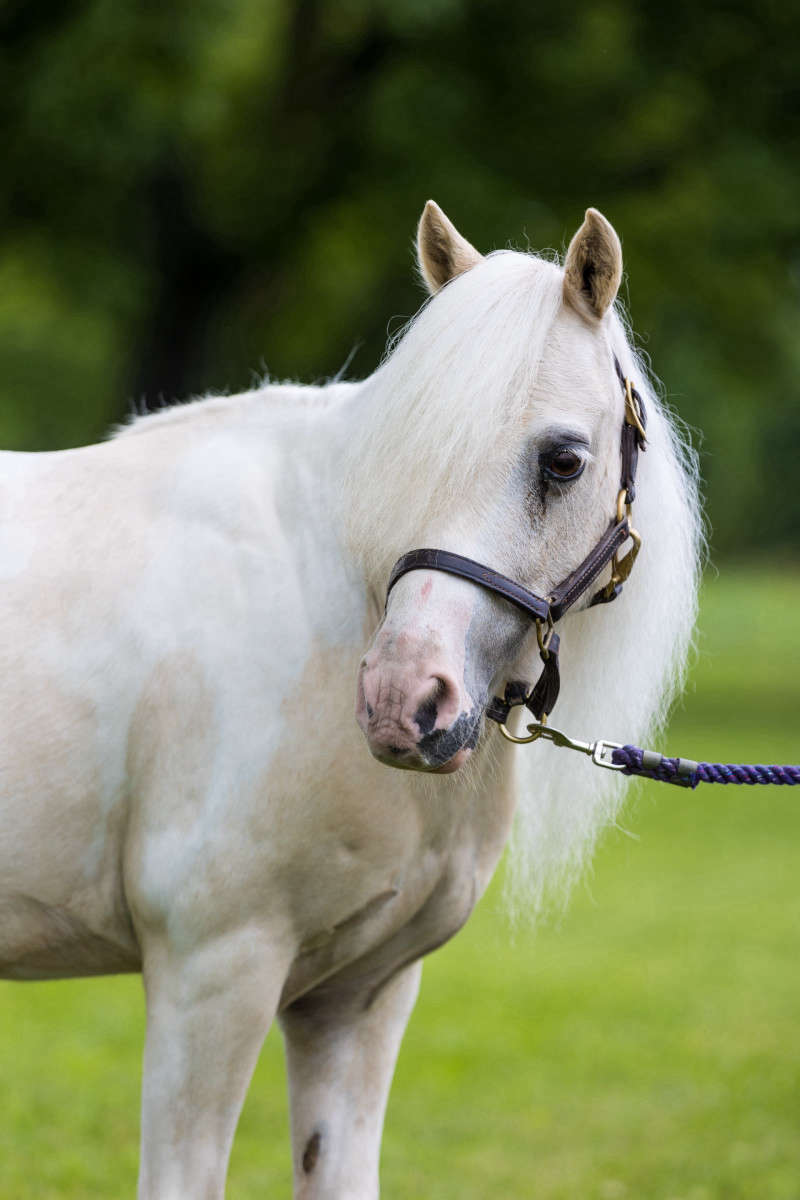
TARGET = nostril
x,y
426,714
441,703
447,694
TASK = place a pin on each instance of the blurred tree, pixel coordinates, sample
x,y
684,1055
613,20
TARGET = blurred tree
x,y
192,192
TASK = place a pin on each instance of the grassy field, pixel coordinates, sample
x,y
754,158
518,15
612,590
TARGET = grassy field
x,y
647,1047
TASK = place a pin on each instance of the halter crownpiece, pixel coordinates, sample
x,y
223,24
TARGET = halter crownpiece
x,y
545,611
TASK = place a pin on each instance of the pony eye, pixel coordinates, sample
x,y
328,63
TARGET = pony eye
x,y
563,463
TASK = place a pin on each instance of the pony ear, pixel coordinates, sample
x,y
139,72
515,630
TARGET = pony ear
x,y
442,253
593,266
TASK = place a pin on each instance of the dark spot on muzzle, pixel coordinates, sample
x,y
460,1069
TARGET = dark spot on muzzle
x,y
439,746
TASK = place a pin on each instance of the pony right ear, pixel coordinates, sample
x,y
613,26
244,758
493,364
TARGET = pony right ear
x,y
442,253
593,267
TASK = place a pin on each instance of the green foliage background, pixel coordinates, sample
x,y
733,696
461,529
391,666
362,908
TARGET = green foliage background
x,y
194,192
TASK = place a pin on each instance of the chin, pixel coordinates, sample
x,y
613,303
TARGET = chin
x,y
409,761
452,764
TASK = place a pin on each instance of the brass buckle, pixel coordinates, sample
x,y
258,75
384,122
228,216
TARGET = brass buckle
x,y
544,635
633,414
622,567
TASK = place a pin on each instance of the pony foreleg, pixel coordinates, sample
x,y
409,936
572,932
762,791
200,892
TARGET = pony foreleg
x,y
340,1054
207,1015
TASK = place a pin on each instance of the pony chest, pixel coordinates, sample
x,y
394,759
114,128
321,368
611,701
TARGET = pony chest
x,y
423,904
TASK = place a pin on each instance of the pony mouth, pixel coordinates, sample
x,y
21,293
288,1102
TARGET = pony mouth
x,y
409,760
442,747
440,752
452,764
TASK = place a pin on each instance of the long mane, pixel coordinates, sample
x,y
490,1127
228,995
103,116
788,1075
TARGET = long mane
x,y
479,350
623,664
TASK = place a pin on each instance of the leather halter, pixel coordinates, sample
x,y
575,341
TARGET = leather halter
x,y
545,611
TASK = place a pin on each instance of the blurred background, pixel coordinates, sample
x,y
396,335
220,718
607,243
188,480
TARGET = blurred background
x,y
195,194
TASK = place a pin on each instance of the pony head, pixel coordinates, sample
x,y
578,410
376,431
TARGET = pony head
x,y
492,430
552,479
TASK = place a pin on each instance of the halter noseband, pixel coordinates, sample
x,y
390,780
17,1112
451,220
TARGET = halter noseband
x,y
546,611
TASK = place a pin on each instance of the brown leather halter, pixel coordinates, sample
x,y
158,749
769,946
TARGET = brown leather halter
x,y
545,611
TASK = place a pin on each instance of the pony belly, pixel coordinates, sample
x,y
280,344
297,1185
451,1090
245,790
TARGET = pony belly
x,y
62,906
63,911
49,941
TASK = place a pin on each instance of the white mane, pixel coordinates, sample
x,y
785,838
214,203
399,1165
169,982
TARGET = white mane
x,y
622,666
479,348
254,407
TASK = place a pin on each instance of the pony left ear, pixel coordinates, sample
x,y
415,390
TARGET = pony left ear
x,y
593,266
442,253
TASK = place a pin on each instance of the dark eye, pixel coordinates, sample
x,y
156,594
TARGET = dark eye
x,y
562,463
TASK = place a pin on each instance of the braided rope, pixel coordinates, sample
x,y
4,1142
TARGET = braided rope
x,y
685,774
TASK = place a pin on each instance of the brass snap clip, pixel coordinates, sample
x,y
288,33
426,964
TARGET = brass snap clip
x,y
600,752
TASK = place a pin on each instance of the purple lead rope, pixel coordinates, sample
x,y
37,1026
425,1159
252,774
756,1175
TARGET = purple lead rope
x,y
632,760
635,761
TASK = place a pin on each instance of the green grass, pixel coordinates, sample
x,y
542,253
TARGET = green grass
x,y
646,1047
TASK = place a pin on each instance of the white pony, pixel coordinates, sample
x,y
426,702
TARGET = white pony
x,y
184,612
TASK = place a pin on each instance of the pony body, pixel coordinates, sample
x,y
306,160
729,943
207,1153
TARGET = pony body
x,y
183,787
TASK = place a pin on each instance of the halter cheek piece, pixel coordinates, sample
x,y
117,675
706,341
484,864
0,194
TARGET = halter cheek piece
x,y
546,611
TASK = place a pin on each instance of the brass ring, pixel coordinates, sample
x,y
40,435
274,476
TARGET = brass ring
x,y
520,741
